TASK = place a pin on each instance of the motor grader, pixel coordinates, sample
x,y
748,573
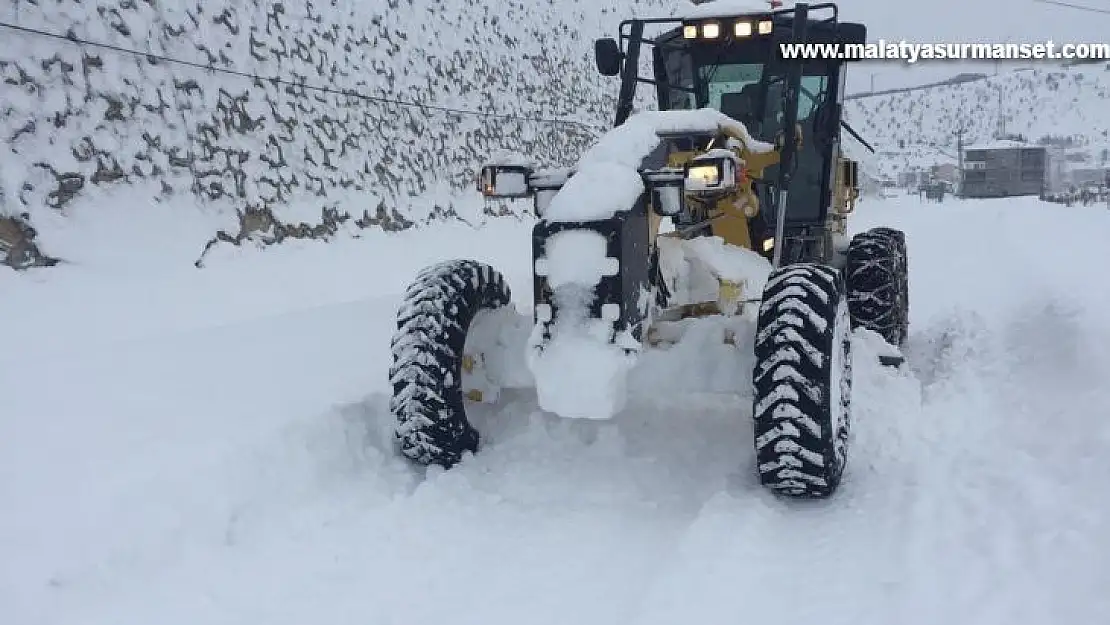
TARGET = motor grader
x,y
729,201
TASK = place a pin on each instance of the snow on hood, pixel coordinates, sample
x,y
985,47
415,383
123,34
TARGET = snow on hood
x,y
608,178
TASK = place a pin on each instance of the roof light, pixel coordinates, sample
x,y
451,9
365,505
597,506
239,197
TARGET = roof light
x,y
690,32
743,29
765,27
711,30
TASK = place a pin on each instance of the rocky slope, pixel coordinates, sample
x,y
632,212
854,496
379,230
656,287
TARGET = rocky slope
x,y
354,134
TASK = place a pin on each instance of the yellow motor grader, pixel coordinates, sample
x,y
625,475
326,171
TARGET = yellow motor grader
x,y
731,199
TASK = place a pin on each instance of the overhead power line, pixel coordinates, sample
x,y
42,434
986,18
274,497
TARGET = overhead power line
x,y
72,39
1074,6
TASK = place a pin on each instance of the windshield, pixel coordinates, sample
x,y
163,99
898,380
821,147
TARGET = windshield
x,y
810,96
733,90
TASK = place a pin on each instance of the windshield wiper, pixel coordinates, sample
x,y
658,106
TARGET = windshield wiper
x,y
856,135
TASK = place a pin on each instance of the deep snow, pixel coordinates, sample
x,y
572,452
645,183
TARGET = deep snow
x,y
183,446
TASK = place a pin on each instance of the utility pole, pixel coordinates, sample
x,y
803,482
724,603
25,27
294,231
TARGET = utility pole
x,y
1001,117
872,82
960,160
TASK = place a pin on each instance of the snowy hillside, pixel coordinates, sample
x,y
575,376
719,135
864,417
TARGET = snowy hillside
x,y
86,127
178,449
918,128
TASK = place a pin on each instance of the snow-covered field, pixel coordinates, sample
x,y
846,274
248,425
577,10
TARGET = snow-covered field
x,y
184,446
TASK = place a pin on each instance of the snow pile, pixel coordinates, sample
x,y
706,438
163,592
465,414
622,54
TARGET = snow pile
x,y
731,263
579,373
607,179
498,340
700,264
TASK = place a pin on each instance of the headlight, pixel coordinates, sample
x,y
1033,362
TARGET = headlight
x,y
690,32
765,27
743,29
768,245
712,30
704,175
711,173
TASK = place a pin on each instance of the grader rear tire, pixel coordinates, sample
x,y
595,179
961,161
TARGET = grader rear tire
x,y
878,283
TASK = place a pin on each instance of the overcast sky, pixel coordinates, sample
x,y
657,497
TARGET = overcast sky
x,y
970,21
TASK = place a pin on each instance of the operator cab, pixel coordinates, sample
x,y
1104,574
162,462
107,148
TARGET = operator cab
x,y
734,64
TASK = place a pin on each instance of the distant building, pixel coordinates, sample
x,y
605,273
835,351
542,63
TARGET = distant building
x,y
945,172
1087,176
911,179
1004,169
1058,179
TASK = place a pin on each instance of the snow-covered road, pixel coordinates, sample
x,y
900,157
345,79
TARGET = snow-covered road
x,y
213,447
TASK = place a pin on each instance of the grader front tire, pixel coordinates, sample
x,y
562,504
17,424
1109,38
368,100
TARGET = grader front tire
x,y
803,381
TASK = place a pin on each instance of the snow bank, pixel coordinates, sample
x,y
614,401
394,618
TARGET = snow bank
x,y
608,180
580,375
200,472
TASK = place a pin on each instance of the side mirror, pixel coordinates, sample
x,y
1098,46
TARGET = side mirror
x,y
504,181
851,173
608,57
849,176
